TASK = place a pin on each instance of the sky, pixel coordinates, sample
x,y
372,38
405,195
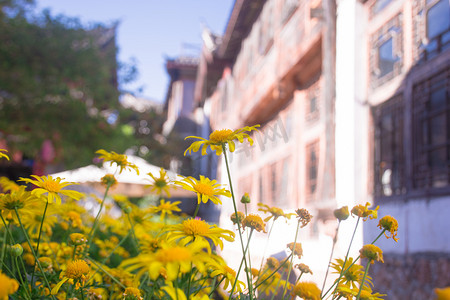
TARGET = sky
x,y
150,31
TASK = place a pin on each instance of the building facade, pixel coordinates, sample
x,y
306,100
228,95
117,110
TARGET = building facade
x,y
354,105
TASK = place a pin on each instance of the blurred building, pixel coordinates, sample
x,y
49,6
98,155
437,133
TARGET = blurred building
x,y
353,98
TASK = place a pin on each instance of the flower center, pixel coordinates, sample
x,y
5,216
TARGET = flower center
x,y
204,189
173,254
220,136
51,186
77,269
160,183
195,227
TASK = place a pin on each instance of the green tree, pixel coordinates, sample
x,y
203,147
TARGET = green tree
x,y
58,82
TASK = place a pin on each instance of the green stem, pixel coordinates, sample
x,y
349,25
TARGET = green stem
x,y
136,241
249,282
265,247
276,270
94,226
107,273
24,285
299,276
32,251
364,279
331,257
240,266
292,259
348,268
196,210
215,286
3,246
39,239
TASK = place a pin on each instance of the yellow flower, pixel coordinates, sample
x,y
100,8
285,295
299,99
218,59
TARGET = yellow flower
x,y
76,272
8,286
372,253
160,184
169,261
109,180
274,212
8,185
237,220
353,275
165,208
178,294
132,293
390,225
364,212
78,238
3,154
53,187
254,222
306,291
32,220
367,294
121,160
298,249
442,294
218,138
303,216
195,230
304,268
205,188
341,213
227,275
18,199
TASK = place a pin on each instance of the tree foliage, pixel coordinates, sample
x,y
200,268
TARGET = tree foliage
x,y
58,82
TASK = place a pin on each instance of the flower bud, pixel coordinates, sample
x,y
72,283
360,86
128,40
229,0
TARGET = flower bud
x,y
245,198
16,250
341,213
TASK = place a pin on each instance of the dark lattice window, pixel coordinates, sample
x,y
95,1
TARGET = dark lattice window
x,y
389,158
312,166
431,137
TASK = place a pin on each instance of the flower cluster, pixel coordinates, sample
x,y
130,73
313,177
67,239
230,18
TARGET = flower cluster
x,y
55,248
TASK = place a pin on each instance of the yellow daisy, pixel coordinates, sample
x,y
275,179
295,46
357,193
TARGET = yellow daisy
x,y
195,230
165,208
390,224
8,286
19,199
8,185
274,212
364,212
3,154
218,138
121,160
77,272
169,261
132,293
306,291
353,275
254,222
53,187
372,253
205,188
442,294
160,184
227,275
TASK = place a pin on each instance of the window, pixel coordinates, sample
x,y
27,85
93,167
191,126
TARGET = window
x,y
412,140
386,54
312,103
431,28
386,58
431,117
312,164
389,159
